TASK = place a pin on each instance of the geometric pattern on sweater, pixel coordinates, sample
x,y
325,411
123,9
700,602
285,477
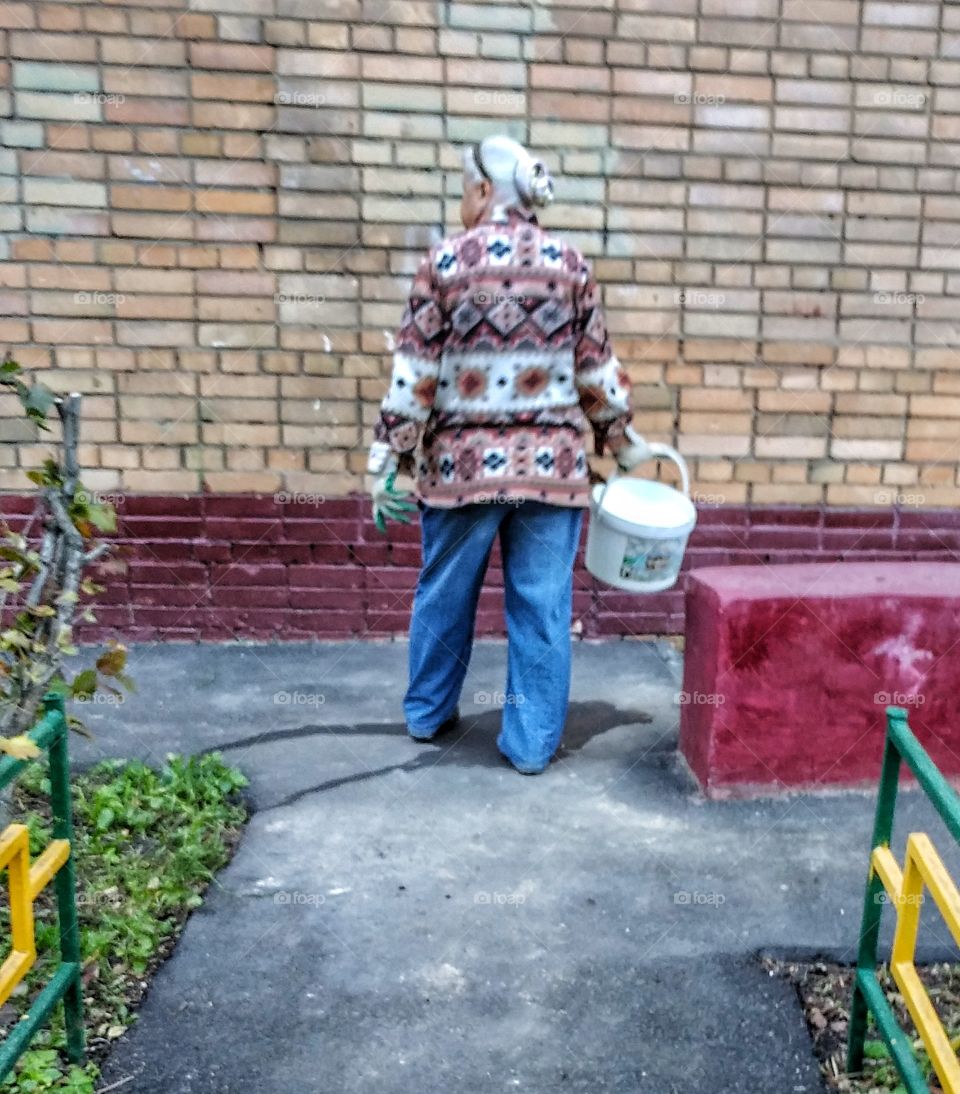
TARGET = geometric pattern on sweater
x,y
480,464
504,325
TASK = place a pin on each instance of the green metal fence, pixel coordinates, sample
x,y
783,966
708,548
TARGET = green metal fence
x,y
904,890
26,881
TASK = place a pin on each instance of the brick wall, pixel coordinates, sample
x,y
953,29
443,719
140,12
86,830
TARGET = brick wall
x,y
211,212
268,567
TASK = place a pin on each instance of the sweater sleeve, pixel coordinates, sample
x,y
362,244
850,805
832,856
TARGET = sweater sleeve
x,y
416,365
602,382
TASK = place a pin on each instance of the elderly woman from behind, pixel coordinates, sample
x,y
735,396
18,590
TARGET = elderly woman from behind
x,y
502,359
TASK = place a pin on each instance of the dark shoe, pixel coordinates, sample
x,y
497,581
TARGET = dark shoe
x,y
524,769
442,728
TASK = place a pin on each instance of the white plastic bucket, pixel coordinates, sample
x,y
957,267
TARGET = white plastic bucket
x,y
639,529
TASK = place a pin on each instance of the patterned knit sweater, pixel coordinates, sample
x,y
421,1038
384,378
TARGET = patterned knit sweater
x,y
501,360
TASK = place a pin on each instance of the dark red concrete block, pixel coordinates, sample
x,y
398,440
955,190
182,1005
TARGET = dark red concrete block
x,y
182,596
285,553
97,636
388,600
373,554
151,572
858,539
930,518
212,552
789,669
334,531
607,624
764,538
859,518
160,527
808,516
396,532
160,505
703,556
249,529
927,539
728,515
390,578
240,573
163,618
114,593
381,622
719,535
110,615
12,505
249,596
490,600
158,550
342,599
250,622
241,506
491,624
314,576
406,555
343,553
307,506
180,634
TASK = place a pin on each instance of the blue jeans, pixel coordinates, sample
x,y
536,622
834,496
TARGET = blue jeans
x,y
538,544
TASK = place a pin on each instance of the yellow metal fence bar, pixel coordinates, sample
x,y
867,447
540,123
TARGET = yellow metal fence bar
x,y
923,870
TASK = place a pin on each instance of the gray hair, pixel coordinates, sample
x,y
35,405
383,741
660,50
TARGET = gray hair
x,y
518,178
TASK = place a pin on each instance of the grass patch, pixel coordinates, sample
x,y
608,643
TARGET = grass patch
x,y
824,990
147,844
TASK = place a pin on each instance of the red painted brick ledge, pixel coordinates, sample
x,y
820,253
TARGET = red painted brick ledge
x,y
222,566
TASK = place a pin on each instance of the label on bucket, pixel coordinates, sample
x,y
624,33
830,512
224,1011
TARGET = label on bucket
x,y
649,559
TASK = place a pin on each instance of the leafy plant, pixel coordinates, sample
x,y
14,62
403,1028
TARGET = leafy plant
x,y
147,844
41,587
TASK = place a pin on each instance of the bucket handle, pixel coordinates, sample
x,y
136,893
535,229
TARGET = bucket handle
x,y
654,450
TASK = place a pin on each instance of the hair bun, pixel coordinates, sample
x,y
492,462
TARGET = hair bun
x,y
533,182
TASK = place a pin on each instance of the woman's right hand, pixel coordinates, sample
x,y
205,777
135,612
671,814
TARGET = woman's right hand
x,y
388,502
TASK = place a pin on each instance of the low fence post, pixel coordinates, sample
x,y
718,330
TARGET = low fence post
x,y
66,882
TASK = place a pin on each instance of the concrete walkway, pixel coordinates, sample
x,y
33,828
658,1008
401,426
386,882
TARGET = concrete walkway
x,y
419,918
